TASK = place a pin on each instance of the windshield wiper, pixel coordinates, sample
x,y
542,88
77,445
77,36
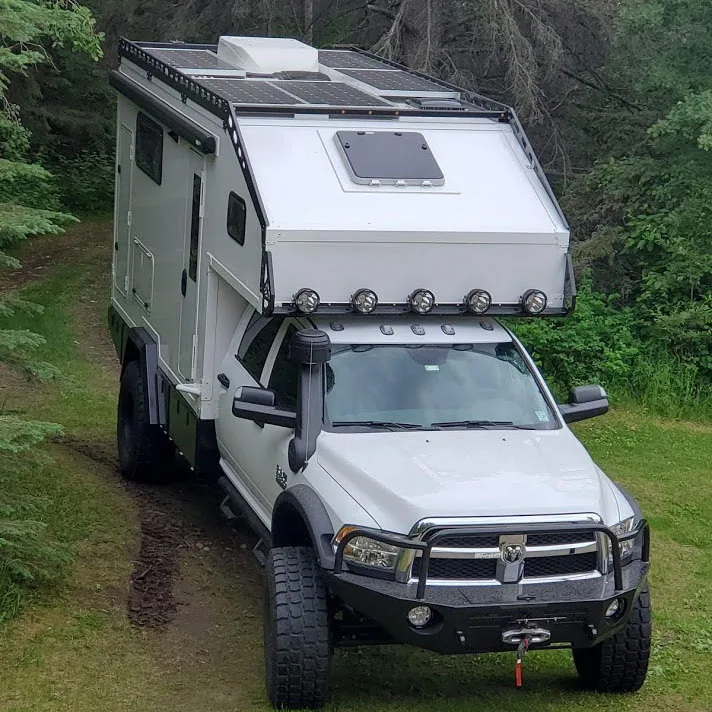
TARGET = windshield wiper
x,y
484,424
377,424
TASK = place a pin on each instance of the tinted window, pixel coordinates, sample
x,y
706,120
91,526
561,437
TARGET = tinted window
x,y
195,228
236,217
255,346
149,148
425,385
285,375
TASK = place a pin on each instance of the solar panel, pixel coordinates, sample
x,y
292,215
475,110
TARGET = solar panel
x,y
329,94
189,58
246,91
346,59
394,80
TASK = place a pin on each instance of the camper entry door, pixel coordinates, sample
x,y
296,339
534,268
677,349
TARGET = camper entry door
x,y
195,192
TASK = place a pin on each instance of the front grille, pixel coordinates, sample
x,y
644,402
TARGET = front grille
x,y
453,541
472,569
471,566
554,538
458,568
560,565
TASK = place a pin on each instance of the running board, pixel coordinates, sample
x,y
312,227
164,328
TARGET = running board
x,y
234,505
260,553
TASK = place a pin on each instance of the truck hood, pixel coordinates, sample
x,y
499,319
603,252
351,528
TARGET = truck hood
x,y
402,477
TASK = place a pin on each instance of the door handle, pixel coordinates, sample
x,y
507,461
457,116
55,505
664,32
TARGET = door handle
x,y
184,282
223,380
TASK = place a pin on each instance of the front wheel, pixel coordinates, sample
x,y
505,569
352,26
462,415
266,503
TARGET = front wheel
x,y
297,630
620,663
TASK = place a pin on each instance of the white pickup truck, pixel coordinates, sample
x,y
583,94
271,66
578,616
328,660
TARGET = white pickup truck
x,y
409,474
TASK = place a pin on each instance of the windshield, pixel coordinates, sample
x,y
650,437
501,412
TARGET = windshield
x,y
465,386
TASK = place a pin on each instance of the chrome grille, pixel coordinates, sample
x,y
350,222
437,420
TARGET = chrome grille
x,y
462,558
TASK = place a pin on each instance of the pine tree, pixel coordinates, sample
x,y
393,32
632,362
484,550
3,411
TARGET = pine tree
x,y
27,29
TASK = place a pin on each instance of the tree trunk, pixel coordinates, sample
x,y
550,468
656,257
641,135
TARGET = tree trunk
x,y
309,21
422,33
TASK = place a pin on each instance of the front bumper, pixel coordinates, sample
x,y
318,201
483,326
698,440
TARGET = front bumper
x,y
473,618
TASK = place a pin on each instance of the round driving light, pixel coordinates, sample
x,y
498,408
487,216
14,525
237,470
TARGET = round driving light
x,y
306,301
422,301
534,302
365,301
615,609
420,616
478,301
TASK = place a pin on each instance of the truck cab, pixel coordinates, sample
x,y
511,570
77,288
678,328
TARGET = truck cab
x,y
314,250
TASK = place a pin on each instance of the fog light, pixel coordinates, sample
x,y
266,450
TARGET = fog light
x,y
420,616
534,302
478,301
422,301
365,301
615,609
307,301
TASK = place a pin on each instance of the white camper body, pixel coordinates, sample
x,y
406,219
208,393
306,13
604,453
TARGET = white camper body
x,y
276,163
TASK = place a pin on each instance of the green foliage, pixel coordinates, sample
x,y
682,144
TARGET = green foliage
x,y
27,555
643,215
596,344
85,182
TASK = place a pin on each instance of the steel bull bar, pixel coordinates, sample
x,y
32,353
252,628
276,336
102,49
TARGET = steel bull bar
x,y
427,547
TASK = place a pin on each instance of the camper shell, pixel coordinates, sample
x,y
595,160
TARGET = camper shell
x,y
291,220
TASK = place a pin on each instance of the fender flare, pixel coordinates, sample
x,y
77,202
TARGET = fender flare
x,y
308,505
127,339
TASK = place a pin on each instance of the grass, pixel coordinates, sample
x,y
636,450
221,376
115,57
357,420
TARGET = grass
x,y
74,649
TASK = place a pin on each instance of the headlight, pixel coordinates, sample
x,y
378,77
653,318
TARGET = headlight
x,y
620,529
364,551
369,552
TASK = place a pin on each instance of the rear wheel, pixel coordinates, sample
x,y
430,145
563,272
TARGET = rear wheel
x,y
145,452
297,632
619,664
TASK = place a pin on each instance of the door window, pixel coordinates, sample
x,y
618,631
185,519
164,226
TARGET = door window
x,y
256,344
195,228
285,374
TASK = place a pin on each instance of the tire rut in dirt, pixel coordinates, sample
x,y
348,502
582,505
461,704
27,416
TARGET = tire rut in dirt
x,y
151,602
173,520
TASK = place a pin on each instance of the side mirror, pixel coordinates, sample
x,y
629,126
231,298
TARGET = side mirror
x,y
585,402
258,405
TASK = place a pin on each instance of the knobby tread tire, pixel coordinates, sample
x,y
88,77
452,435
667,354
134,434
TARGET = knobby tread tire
x,y
148,455
620,664
297,631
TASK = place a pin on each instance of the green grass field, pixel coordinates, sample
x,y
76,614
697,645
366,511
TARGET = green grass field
x,y
73,648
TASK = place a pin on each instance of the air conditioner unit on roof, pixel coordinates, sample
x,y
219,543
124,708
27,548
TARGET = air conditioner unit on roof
x,y
268,55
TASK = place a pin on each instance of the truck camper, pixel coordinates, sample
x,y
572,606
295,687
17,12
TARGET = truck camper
x,y
311,251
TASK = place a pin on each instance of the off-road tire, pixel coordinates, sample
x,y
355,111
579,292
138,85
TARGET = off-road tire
x,y
145,452
297,631
620,663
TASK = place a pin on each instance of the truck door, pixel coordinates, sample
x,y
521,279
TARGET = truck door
x,y
190,278
258,454
122,226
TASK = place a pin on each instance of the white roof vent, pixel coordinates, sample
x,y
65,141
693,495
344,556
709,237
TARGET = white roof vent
x,y
268,55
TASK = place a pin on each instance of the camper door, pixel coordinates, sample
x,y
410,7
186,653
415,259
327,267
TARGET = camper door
x,y
195,187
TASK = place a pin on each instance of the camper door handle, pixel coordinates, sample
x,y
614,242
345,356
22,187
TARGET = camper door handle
x,y
224,380
184,282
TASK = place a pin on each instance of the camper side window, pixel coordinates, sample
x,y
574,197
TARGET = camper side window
x,y
236,218
256,344
149,148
